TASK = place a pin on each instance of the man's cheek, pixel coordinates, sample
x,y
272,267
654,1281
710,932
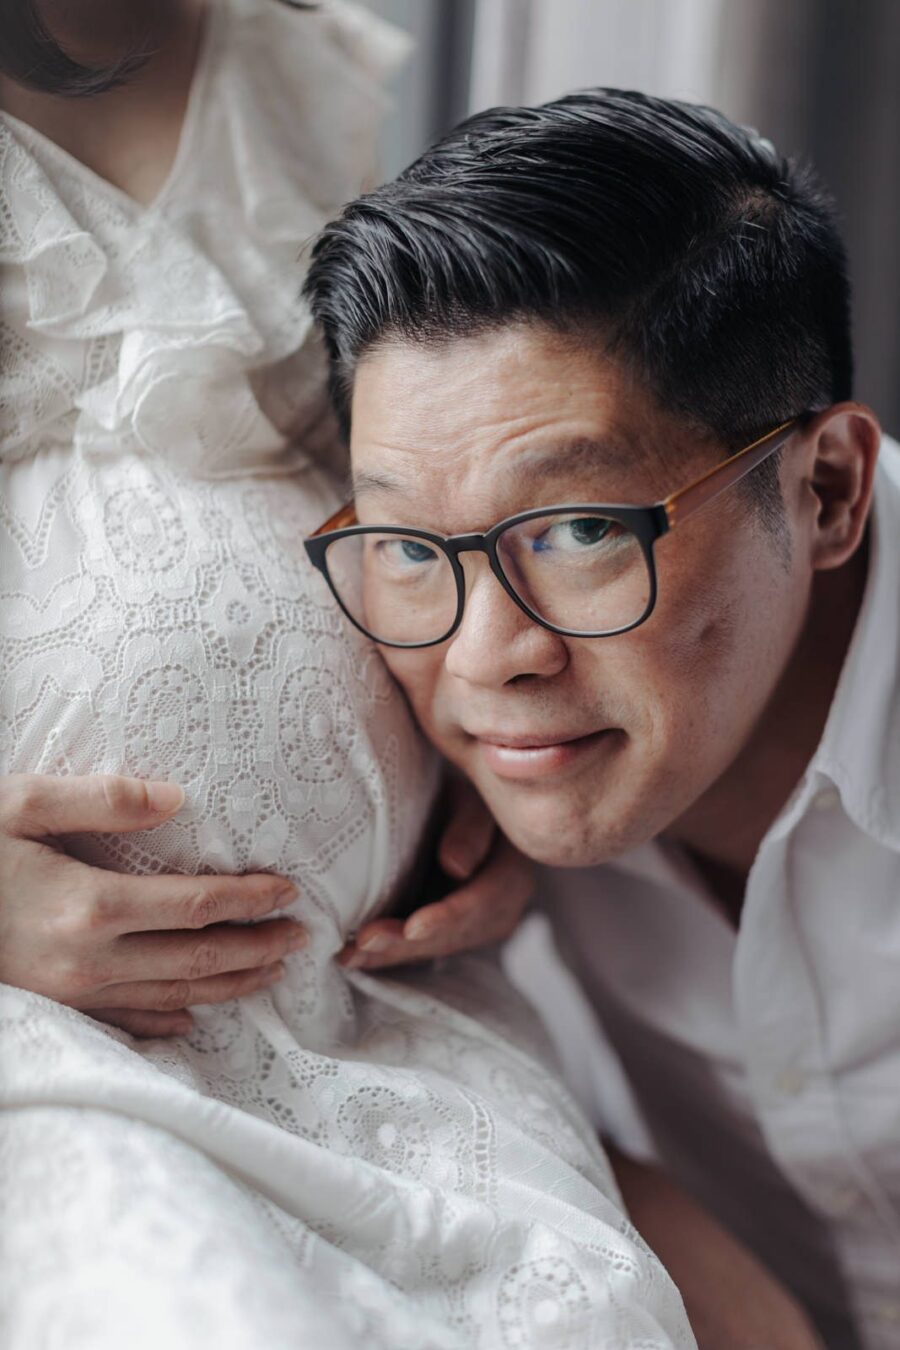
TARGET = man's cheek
x,y
683,681
418,675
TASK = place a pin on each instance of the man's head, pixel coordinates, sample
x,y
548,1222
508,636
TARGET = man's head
x,y
595,301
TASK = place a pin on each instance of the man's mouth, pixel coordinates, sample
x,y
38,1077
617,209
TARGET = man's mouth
x,y
527,757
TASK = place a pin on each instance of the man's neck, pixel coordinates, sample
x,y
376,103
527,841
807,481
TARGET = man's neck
x,y
725,827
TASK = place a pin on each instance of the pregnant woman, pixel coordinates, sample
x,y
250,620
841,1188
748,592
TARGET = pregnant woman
x,y
333,1161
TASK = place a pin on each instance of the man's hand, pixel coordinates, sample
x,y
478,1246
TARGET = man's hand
x,y
134,951
497,882
732,1301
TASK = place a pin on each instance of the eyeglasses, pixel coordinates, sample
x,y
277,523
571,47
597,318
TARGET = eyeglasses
x,y
584,571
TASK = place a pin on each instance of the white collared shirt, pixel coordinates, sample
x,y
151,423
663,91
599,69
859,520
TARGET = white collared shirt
x,y
763,1064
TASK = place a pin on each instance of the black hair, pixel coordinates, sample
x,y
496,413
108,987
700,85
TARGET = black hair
x,y
683,242
30,55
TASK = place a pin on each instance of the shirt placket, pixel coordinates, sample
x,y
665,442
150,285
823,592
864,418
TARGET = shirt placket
x,y
794,1093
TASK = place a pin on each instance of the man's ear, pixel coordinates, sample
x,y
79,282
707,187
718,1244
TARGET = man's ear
x,y
844,448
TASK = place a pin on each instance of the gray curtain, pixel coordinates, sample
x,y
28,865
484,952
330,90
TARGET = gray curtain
x,y
821,78
432,93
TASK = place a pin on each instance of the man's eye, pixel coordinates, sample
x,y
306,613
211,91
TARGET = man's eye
x,y
406,552
574,534
589,529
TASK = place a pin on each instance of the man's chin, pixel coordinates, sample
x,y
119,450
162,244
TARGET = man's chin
x,y
562,839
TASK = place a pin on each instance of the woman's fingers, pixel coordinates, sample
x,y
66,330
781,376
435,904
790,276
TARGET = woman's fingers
x,y
189,956
74,932
469,832
485,910
140,904
36,806
173,996
145,1024
378,936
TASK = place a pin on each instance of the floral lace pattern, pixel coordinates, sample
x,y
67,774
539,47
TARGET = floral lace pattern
x,y
344,1161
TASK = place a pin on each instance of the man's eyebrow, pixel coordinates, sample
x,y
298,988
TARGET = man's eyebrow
x,y
576,454
375,482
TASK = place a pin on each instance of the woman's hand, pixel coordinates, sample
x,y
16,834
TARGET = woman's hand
x,y
497,881
135,951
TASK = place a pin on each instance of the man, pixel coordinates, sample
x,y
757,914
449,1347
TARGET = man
x,y
618,300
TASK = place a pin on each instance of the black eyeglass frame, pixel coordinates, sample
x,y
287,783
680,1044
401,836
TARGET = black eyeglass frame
x,y
646,523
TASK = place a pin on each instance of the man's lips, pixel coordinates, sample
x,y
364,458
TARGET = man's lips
x,y
531,756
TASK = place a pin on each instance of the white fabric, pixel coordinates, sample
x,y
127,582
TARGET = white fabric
x,y
765,1063
346,1161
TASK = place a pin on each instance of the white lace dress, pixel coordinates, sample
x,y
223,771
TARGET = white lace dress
x,y
346,1161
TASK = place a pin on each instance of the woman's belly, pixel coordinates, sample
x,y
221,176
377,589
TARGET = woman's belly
x,y
395,1136
166,627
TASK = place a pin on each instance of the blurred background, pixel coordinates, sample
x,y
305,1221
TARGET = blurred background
x,y
818,77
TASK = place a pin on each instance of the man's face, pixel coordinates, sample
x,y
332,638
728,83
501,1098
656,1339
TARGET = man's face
x,y
581,747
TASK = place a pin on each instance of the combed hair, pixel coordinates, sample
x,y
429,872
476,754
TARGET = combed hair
x,y
682,242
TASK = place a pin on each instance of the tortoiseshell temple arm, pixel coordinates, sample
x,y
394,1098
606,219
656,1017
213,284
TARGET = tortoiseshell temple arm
x,y
679,505
341,519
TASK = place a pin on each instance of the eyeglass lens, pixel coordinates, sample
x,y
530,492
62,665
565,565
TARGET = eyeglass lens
x,y
574,570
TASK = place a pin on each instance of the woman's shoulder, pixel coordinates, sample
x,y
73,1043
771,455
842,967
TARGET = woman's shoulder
x,y
202,288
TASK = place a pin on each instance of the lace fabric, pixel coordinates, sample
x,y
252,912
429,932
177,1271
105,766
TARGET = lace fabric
x,y
344,1161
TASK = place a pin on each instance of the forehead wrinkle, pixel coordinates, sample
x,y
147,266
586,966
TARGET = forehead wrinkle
x,y
575,455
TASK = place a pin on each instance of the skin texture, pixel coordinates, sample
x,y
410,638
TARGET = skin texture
x,y
694,702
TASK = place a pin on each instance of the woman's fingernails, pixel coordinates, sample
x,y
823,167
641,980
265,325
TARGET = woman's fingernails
x,y
164,797
285,895
298,939
375,942
457,864
418,930
353,960
272,974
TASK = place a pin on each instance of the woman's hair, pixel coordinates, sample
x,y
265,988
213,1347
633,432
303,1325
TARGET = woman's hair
x,y
681,242
30,55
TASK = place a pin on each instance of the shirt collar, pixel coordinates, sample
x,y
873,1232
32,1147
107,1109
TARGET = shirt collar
x,y
860,747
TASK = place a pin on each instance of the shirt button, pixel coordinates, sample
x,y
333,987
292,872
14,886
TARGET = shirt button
x,y
791,1081
827,799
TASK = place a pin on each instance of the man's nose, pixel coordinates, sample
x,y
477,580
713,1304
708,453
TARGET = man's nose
x,y
496,641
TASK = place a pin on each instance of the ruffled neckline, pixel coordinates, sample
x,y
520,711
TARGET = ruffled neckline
x,y
202,285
